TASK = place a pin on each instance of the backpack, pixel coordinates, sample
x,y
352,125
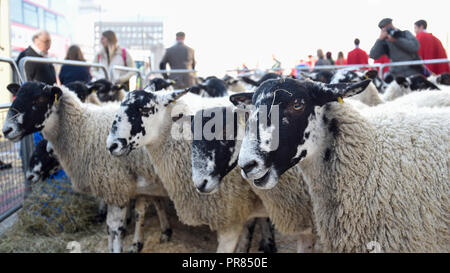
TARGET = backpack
x,y
124,57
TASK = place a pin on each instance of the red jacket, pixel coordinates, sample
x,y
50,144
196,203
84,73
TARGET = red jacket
x,y
431,48
357,56
382,60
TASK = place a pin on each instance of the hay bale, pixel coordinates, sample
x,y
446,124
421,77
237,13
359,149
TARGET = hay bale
x,y
54,208
51,217
17,240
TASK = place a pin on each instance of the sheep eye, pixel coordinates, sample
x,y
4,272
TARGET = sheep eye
x,y
145,110
40,100
299,107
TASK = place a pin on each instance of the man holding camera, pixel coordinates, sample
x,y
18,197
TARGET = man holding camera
x,y
399,46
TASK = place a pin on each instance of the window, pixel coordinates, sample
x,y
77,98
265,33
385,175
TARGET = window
x,y
16,11
62,25
50,22
30,15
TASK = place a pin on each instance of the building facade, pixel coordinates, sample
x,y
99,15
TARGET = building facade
x,y
143,39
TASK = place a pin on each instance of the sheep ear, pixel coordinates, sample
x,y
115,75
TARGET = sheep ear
x,y
54,92
242,98
13,88
371,74
402,81
94,86
388,78
172,97
150,88
336,92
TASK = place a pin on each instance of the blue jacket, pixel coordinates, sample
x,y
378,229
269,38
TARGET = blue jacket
x,y
71,73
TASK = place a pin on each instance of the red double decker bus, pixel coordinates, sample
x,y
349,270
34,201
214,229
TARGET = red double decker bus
x,y
27,17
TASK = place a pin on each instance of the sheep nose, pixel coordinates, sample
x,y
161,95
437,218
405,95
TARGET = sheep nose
x,y
7,131
31,177
249,166
203,186
113,147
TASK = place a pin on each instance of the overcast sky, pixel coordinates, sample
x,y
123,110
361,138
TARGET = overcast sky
x,y
227,33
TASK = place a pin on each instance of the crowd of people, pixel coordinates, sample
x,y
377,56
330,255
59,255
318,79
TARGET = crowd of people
x,y
179,56
393,45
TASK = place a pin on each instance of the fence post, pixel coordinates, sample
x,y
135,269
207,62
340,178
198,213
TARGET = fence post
x,y
129,69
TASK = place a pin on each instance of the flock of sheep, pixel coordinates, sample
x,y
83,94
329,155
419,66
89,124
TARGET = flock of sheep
x,y
359,161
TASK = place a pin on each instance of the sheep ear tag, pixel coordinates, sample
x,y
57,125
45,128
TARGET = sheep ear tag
x,y
340,100
56,98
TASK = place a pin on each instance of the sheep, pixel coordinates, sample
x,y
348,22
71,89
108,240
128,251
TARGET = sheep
x,y
107,91
324,76
162,84
233,85
425,98
405,85
443,79
378,176
211,87
77,133
43,162
265,77
288,206
347,76
146,118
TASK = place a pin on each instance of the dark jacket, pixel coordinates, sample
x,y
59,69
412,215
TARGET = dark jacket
x,y
180,56
72,73
403,49
38,71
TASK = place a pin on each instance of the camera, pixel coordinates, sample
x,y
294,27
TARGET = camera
x,y
393,32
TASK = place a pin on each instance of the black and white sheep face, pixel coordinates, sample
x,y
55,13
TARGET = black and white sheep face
x,y
139,120
30,110
105,90
298,134
161,84
214,152
415,82
43,163
80,88
212,87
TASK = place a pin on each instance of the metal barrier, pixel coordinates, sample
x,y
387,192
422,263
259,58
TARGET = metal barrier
x,y
357,66
171,71
379,66
434,61
13,65
26,60
14,157
139,80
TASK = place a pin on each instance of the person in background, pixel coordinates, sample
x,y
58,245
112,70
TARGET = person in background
x,y
330,58
382,60
321,59
276,67
340,59
311,62
399,46
112,54
357,55
179,56
72,73
298,68
40,72
430,48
